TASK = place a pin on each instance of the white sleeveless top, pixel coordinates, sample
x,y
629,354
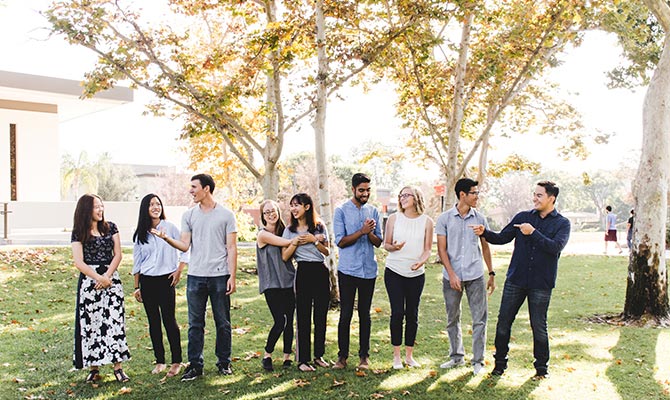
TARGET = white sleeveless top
x,y
412,231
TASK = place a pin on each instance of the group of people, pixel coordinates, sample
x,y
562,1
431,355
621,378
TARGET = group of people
x,y
611,231
294,278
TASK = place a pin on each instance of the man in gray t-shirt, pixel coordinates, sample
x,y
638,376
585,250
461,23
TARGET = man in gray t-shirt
x,y
210,231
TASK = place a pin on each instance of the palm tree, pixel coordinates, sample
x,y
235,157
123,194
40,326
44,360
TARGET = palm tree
x,y
77,174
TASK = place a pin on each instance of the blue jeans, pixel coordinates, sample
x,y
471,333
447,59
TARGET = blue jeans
x,y
538,304
198,289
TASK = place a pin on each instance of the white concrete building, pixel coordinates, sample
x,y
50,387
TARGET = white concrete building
x,y
31,108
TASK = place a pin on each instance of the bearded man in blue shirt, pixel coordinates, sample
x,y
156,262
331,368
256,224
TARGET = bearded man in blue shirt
x,y
540,235
357,232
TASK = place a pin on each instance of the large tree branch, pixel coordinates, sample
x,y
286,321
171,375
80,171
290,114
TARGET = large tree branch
x,y
661,11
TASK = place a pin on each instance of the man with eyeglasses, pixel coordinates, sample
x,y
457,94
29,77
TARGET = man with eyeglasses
x,y
461,257
539,237
357,232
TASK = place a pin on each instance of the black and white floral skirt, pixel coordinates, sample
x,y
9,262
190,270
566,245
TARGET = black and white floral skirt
x,y
100,327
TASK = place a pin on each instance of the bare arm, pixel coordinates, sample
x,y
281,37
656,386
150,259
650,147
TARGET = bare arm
x,y
486,253
181,244
389,244
231,246
443,253
427,245
118,255
264,238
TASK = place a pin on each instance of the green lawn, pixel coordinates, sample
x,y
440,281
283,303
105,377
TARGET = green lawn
x,y
37,292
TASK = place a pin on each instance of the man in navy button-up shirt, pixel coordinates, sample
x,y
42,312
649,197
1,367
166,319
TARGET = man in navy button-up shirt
x,y
357,232
541,234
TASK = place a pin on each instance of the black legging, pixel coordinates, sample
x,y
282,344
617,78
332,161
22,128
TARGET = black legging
x,y
404,296
158,297
282,307
312,289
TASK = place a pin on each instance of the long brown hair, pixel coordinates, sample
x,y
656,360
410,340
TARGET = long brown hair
x,y
280,225
83,214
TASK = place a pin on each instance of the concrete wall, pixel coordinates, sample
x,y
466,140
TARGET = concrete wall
x,y
37,156
57,216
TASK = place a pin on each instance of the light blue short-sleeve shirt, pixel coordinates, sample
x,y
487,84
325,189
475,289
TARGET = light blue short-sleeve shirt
x,y
307,252
463,249
358,259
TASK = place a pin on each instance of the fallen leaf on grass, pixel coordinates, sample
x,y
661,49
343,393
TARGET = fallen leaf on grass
x,y
337,383
379,371
241,331
378,309
251,354
618,362
301,382
406,393
224,391
360,373
432,373
570,369
19,380
125,390
376,396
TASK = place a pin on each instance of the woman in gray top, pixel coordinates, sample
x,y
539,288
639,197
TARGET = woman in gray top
x,y
275,280
312,281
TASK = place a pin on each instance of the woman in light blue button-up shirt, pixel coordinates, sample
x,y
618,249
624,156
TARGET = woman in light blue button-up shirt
x,y
157,269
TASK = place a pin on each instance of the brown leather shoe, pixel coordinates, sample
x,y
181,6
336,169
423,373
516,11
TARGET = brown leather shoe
x,y
364,363
341,363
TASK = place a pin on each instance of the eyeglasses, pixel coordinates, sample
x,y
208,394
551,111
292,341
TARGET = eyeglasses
x,y
403,195
269,212
474,193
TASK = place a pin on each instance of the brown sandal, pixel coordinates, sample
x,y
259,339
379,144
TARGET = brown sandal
x,y
174,370
93,375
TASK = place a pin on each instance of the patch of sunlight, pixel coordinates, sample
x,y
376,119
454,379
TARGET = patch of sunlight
x,y
228,379
662,367
449,376
597,345
273,391
576,380
403,379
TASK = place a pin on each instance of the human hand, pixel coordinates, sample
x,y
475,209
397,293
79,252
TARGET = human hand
x,y
161,234
525,228
103,282
455,282
416,266
230,286
397,246
175,277
491,285
368,226
477,229
138,295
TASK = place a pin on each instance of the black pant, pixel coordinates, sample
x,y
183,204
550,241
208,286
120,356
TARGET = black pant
x,y
366,288
282,307
404,296
312,289
158,297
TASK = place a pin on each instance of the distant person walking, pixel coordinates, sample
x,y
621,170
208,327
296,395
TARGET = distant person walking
x,y
357,232
610,229
629,231
157,269
408,239
99,325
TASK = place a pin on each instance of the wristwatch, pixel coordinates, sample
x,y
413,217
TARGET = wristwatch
x,y
316,243
492,273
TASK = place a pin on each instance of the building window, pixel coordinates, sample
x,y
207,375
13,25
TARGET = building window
x,y
12,161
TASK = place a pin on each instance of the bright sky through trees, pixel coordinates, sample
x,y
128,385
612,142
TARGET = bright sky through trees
x,y
362,116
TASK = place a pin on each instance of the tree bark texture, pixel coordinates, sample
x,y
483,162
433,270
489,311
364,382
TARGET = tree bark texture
x,y
646,291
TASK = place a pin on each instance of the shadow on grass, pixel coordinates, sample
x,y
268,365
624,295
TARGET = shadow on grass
x,y
637,346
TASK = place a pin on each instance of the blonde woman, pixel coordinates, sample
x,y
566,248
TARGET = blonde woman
x,y
409,238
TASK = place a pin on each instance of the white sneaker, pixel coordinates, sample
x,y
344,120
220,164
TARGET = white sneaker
x,y
411,363
452,364
398,365
477,368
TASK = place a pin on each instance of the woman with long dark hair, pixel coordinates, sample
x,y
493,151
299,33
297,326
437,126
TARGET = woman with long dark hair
x,y
157,269
312,281
100,336
275,280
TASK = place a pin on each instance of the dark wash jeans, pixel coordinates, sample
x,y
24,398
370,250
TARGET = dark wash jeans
x,y
366,287
198,289
538,304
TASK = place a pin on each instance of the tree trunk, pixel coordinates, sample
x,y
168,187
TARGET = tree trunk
x,y
320,143
646,291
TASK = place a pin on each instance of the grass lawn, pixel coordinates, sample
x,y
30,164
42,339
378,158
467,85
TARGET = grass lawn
x,y
588,361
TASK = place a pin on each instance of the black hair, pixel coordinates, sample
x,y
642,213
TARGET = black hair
x,y
144,219
549,187
83,215
464,185
311,216
359,178
205,180
608,208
